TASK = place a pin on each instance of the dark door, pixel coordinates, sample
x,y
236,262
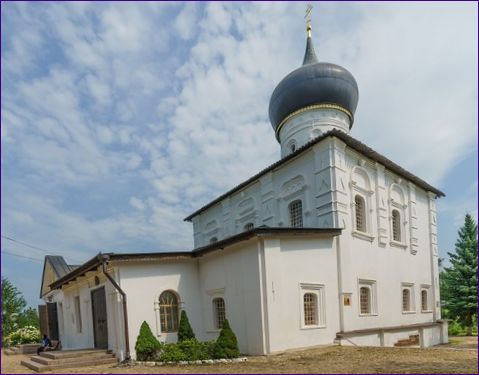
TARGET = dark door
x,y
52,319
100,326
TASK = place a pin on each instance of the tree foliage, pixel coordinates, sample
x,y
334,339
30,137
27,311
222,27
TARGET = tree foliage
x,y
13,304
226,345
146,344
459,282
185,332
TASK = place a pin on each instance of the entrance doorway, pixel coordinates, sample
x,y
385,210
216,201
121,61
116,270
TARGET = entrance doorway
x,y
100,325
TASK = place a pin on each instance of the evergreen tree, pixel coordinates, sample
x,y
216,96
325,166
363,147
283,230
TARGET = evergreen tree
x,y
185,332
12,305
146,344
226,345
460,280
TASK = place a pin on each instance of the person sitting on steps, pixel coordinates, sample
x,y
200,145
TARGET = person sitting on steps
x,y
48,344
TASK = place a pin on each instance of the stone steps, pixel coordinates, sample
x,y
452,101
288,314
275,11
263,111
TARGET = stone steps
x,y
22,349
413,340
48,361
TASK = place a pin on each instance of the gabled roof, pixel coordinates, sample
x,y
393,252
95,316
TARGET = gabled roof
x,y
98,259
58,266
350,142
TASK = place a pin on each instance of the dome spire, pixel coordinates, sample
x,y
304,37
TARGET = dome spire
x,y
309,54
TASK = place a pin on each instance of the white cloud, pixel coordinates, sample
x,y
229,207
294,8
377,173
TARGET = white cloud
x,y
115,128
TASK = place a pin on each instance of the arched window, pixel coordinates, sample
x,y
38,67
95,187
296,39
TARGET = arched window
x,y
360,212
310,309
396,218
424,305
406,300
292,147
213,239
219,312
365,300
169,311
296,214
248,226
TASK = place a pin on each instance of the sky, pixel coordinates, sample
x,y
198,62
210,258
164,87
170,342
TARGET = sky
x,y
120,119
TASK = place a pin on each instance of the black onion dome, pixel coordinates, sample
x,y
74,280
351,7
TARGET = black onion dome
x,y
314,83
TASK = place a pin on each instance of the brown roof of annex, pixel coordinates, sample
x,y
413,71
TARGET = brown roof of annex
x,y
97,260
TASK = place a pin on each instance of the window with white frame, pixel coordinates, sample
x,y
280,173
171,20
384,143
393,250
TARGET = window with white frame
x,y
219,312
169,311
361,202
398,215
367,297
312,302
396,225
407,298
425,304
310,306
296,214
360,213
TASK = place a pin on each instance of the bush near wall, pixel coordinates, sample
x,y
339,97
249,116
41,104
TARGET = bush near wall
x,y
226,345
149,349
146,344
25,335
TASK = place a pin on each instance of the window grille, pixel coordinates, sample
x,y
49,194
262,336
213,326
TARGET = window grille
x,y
360,213
169,312
365,300
219,312
424,304
296,214
406,300
396,217
310,309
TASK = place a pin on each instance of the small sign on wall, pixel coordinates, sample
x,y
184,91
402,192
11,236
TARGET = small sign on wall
x,y
347,299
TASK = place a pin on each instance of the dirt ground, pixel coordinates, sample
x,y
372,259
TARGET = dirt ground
x,y
460,356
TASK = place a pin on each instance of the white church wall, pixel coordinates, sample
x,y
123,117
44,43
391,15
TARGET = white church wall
x,y
292,266
233,274
264,202
376,259
143,283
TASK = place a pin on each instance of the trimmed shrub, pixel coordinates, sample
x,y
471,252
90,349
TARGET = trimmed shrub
x,y
25,335
146,344
195,350
185,332
171,353
226,345
187,350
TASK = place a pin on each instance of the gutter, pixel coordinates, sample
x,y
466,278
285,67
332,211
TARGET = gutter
x,y
104,262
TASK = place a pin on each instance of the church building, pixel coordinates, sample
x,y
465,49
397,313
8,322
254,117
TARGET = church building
x,y
333,243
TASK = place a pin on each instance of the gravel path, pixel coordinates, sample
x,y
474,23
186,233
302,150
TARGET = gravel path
x,y
332,359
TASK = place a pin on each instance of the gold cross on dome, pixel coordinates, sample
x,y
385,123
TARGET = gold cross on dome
x,y
307,14
307,17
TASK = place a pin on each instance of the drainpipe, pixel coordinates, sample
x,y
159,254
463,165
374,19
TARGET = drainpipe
x,y
104,262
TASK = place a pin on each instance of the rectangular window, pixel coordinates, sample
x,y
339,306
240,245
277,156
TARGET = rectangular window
x,y
78,314
407,298
367,297
425,303
296,214
219,312
313,307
